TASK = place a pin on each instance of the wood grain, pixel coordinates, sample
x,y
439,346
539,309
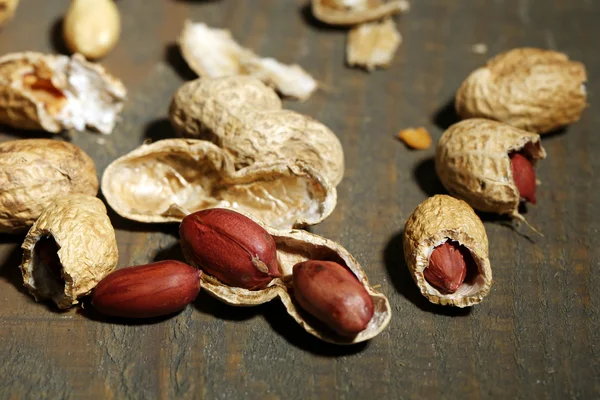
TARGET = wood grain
x,y
535,336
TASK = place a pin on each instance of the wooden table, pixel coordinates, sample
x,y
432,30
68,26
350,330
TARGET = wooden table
x,y
535,336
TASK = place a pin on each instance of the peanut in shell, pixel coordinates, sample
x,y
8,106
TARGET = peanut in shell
x,y
435,221
472,161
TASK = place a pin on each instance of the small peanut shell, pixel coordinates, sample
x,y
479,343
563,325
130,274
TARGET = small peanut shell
x,y
293,247
473,163
36,172
352,12
169,179
435,221
56,92
244,117
68,250
531,89
7,10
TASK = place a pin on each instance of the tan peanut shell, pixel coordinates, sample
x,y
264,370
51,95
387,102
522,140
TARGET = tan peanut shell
x,y
433,222
36,172
169,179
294,246
7,10
56,92
213,53
87,249
245,118
472,161
531,89
373,44
352,12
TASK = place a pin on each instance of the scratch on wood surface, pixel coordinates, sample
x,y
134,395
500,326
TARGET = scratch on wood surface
x,y
523,11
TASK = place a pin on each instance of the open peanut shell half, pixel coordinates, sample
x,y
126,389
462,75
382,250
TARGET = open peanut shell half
x,y
169,179
68,250
352,12
295,246
56,92
435,221
473,163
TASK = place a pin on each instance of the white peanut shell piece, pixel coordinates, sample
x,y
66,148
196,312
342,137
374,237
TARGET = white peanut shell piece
x,y
352,12
435,221
56,92
169,179
295,246
245,117
531,89
472,161
68,250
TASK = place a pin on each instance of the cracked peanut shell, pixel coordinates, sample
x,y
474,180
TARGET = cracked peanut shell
x,y
68,250
472,161
435,221
169,179
352,12
36,172
56,92
531,89
293,247
245,117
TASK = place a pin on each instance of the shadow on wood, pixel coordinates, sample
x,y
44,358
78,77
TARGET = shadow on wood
x,y
309,18
446,115
9,269
159,129
427,179
404,283
175,59
56,37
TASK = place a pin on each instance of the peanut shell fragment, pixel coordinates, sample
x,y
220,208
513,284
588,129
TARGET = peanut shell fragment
x,y
473,163
7,10
212,53
169,179
352,12
373,44
531,89
434,222
56,92
36,172
293,247
245,118
68,250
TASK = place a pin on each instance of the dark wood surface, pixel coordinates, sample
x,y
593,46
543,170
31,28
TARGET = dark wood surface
x,y
535,336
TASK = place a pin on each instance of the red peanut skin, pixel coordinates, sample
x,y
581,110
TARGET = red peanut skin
x,y
447,268
230,247
524,177
333,295
146,291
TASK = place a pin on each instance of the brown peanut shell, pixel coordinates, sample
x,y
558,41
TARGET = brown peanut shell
x,y
169,179
433,222
69,93
472,161
244,117
338,12
36,172
294,246
531,89
87,249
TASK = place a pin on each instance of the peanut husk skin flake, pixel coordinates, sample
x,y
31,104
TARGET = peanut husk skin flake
x,y
435,221
531,89
169,179
295,246
373,44
245,118
352,12
36,172
77,248
473,163
56,92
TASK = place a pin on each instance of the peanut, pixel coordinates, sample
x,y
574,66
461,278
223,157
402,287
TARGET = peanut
x,y
418,138
524,176
146,291
447,267
92,27
230,247
333,295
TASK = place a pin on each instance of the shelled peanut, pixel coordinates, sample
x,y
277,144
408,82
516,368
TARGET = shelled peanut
x,y
247,263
